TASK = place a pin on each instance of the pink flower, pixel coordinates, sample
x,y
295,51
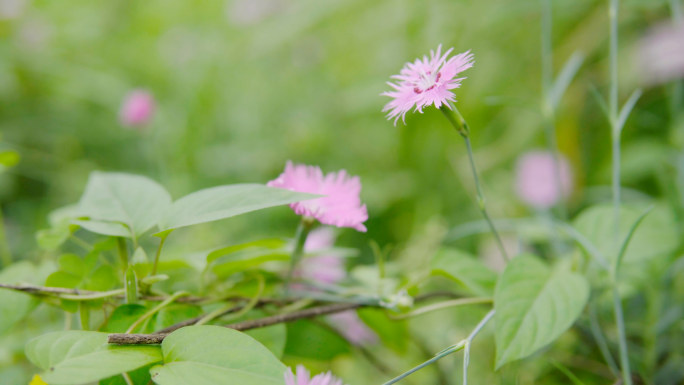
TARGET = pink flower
x,y
303,378
425,82
137,108
661,53
352,328
321,268
341,206
536,180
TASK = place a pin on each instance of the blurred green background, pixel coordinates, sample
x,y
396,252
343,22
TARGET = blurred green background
x,y
242,86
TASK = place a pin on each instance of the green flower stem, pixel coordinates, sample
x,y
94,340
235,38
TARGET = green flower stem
x,y
615,139
248,307
300,240
155,309
437,357
469,340
465,344
547,107
5,255
123,253
601,341
162,238
442,305
456,119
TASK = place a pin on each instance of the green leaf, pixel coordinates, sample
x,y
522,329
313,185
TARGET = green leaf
x,y
226,201
14,306
656,236
113,229
465,269
8,158
231,259
123,317
133,200
534,305
79,357
216,355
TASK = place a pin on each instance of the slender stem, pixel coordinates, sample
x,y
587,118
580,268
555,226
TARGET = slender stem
x,y
547,106
300,240
5,255
127,379
123,253
162,239
146,339
601,341
94,295
250,305
458,122
613,111
615,135
154,310
442,305
437,357
465,344
469,340
622,338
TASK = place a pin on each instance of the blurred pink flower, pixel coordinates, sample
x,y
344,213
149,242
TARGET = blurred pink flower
x,y
352,328
661,53
536,181
341,206
322,268
304,378
137,108
425,82
330,269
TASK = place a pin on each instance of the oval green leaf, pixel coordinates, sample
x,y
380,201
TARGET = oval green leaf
x,y
534,305
215,355
134,200
465,269
79,357
223,202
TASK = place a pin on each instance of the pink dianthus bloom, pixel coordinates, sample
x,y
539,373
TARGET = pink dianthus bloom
x,y
536,180
137,108
341,204
304,378
425,82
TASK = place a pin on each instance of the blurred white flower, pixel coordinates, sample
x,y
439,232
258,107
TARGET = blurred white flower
x,y
12,9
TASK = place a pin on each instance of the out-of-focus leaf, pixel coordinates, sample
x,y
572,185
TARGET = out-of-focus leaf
x,y
123,316
656,236
80,357
136,201
223,202
102,227
307,339
465,269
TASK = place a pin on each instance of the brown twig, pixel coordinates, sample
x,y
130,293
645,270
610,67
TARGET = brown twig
x,y
157,338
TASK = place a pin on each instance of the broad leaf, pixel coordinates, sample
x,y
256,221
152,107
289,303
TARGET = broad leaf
x,y
133,200
214,355
226,201
656,236
80,357
465,269
15,305
534,305
102,227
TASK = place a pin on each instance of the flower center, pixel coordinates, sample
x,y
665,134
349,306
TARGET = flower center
x,y
426,82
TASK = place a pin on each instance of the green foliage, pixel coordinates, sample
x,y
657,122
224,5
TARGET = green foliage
x,y
80,357
134,201
15,306
534,305
655,237
215,355
465,269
